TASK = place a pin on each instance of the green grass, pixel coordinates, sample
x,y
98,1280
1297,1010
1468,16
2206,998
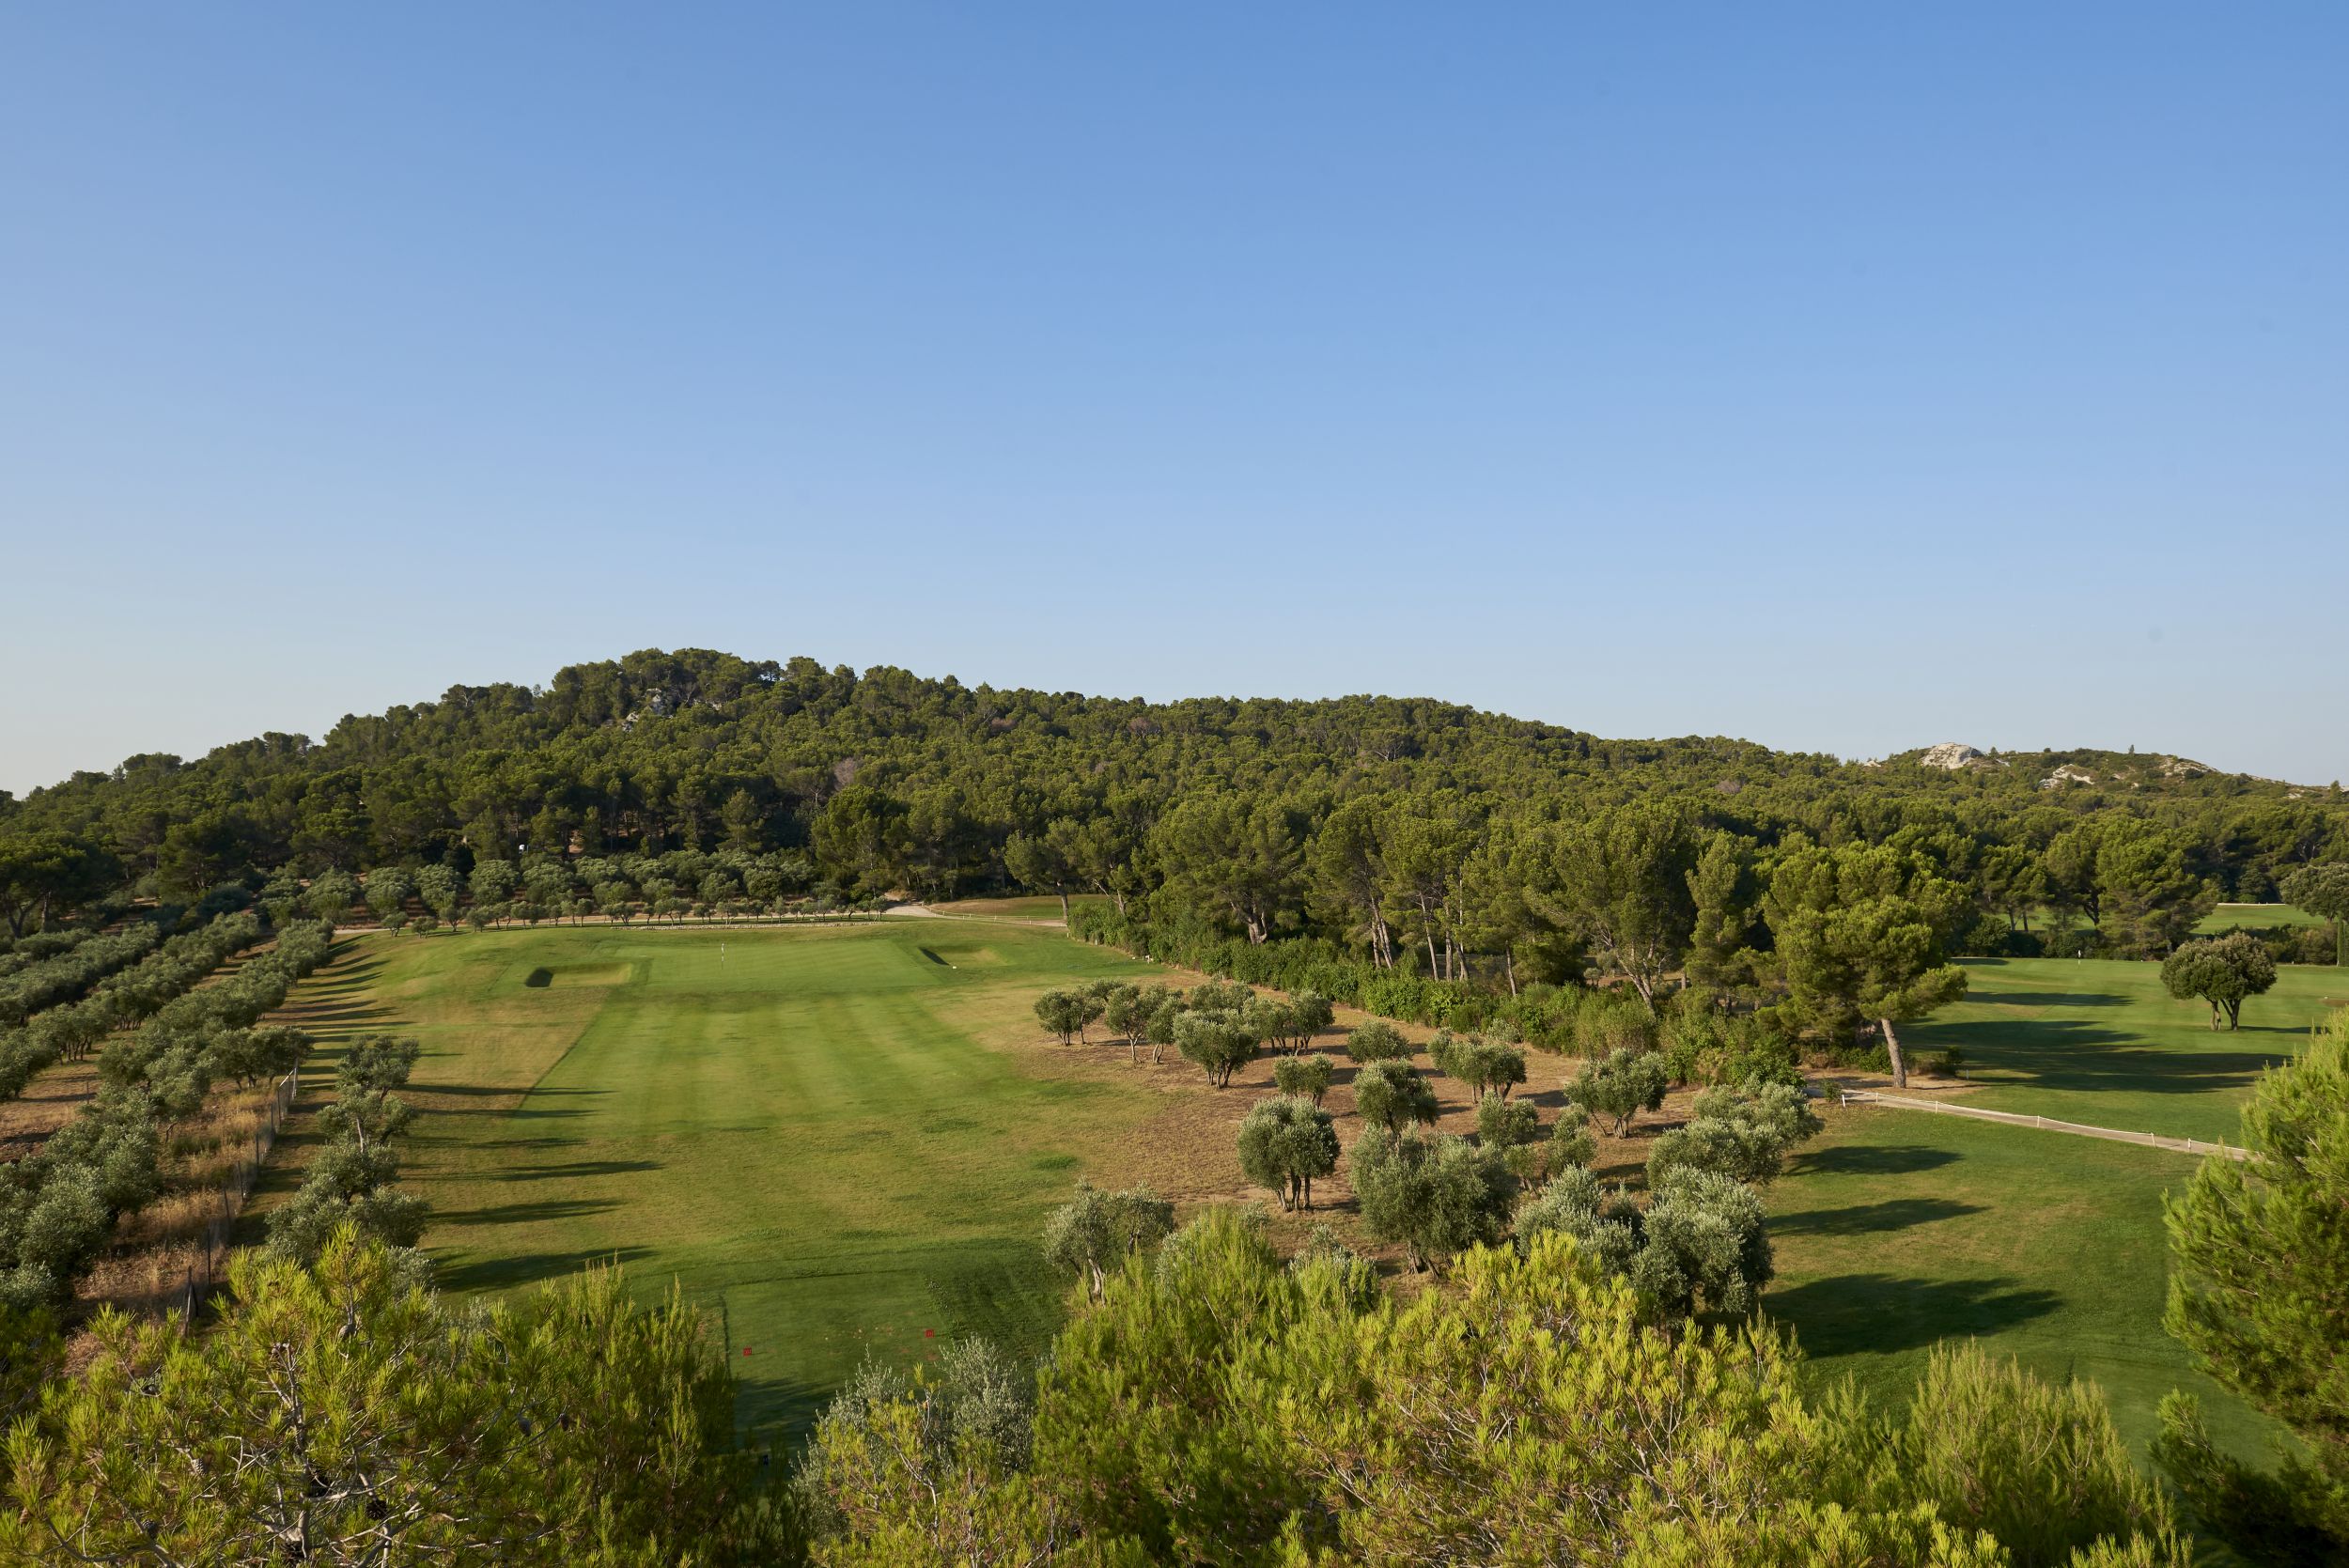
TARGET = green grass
x,y
820,1132
2099,1041
2257,917
1896,1229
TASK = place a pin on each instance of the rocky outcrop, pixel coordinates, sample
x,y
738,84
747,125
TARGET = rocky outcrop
x,y
1953,757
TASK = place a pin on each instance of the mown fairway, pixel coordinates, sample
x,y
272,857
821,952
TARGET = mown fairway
x,y
1895,1228
837,1138
2257,917
2099,1041
1899,1228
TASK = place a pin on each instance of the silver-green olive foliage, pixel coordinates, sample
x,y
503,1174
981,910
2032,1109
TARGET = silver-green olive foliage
x,y
1389,1095
1309,1075
1285,1143
1620,1087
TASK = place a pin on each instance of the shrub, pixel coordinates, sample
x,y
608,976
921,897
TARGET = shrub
x,y
1989,1447
1608,1021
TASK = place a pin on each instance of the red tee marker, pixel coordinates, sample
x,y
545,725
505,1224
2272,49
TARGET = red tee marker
x,y
929,1333
746,1350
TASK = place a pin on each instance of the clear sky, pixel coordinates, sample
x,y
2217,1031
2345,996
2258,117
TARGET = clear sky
x,y
1848,378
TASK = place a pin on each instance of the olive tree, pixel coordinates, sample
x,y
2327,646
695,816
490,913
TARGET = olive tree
x,y
1570,1140
1067,1012
1487,1066
1504,1124
1126,1009
331,895
1437,1196
442,889
1742,1134
1376,1041
1219,1043
1285,1143
1700,1245
1310,1013
1309,1075
1093,1233
1620,1087
1163,1021
388,888
1388,1095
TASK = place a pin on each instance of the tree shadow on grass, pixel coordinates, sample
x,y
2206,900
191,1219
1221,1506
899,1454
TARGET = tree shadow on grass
x,y
493,1091
1868,1159
1879,1312
333,1022
530,1212
577,1168
2061,1054
1893,1214
526,1268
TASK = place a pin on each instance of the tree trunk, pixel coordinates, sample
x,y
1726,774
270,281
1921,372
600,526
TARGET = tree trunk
x,y
1892,1048
1509,957
1064,904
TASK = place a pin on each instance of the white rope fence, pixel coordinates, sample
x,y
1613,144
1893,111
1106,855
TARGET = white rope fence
x,y
2046,1124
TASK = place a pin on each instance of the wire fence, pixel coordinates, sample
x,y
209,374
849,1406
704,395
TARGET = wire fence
x,y
205,1268
2048,1124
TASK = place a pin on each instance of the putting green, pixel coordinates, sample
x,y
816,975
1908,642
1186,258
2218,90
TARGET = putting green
x,y
842,1140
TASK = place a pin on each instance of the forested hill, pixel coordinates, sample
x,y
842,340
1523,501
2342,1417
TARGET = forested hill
x,y
892,779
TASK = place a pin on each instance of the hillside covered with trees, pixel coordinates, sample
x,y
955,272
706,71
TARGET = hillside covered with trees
x,y
1340,843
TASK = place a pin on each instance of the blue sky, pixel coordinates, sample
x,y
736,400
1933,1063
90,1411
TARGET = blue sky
x,y
1848,378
